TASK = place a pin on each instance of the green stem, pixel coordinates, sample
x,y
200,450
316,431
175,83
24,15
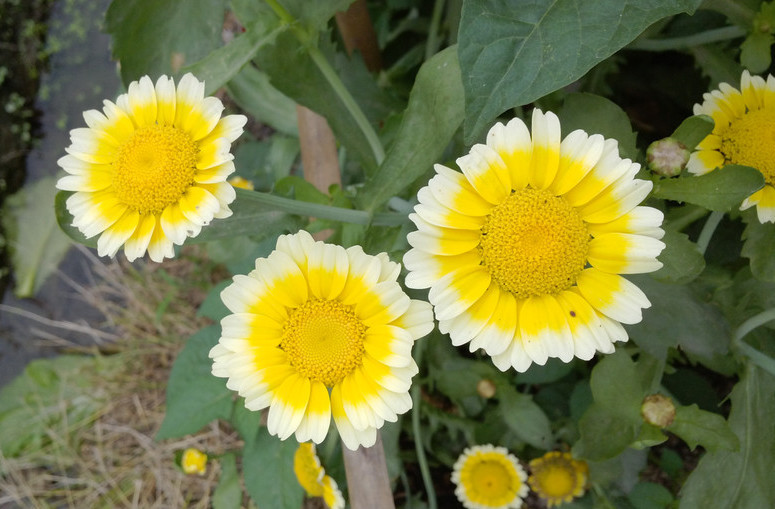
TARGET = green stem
x,y
432,44
333,80
732,9
673,43
760,359
422,460
685,220
707,231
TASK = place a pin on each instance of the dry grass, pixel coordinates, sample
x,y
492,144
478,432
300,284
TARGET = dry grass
x,y
113,460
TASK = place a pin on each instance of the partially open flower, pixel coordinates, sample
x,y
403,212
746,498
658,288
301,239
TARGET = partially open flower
x,y
193,461
557,478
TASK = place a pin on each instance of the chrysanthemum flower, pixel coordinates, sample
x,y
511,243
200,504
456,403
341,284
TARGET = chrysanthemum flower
x,y
193,461
488,477
522,251
312,477
150,170
743,134
556,477
321,331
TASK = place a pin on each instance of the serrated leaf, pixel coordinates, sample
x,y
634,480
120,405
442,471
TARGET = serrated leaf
x,y
740,478
678,318
222,64
36,243
708,429
615,385
154,38
194,396
598,115
251,90
512,53
755,51
719,190
267,465
759,246
681,259
434,112
693,130
228,493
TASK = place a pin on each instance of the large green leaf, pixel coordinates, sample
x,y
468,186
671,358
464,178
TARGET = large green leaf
x,y
434,112
525,418
513,52
708,429
759,247
741,478
598,115
681,259
693,130
251,90
159,37
718,190
194,396
36,243
228,494
267,465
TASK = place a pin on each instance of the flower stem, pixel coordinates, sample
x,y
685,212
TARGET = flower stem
x,y
432,44
759,358
732,9
422,460
673,43
333,80
707,231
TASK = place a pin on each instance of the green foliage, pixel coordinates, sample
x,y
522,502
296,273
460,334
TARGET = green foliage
x,y
228,494
512,56
596,114
194,396
693,130
252,91
681,259
36,244
718,190
740,478
759,246
267,465
698,427
155,38
755,54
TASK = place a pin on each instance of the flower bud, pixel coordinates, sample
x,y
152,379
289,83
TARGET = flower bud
x,y
658,410
485,388
193,461
667,157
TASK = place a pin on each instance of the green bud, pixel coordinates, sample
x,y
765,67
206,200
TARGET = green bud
x,y
667,157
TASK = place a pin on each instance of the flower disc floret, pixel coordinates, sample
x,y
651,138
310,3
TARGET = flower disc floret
x,y
489,477
744,134
319,331
524,248
150,169
558,478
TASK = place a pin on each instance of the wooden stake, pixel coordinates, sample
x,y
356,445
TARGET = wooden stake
x,y
358,34
367,477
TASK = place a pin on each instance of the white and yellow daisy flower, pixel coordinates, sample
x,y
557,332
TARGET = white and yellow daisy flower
x,y
523,250
320,331
558,478
488,477
744,133
312,477
150,170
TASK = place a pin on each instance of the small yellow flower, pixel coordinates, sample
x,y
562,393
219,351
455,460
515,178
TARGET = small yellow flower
x,y
193,461
150,170
557,478
313,478
743,134
241,183
488,477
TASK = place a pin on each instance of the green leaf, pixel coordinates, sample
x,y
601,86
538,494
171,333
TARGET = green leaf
x,y
681,259
251,90
213,307
708,429
220,66
758,247
755,52
434,112
693,130
246,422
65,220
228,493
36,243
267,465
194,396
740,478
649,495
317,13
524,418
596,114
616,386
604,434
678,318
514,53
154,38
719,190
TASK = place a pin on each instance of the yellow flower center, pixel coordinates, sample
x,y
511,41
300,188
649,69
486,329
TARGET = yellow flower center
x,y
194,461
750,141
557,482
154,168
324,340
491,481
534,243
